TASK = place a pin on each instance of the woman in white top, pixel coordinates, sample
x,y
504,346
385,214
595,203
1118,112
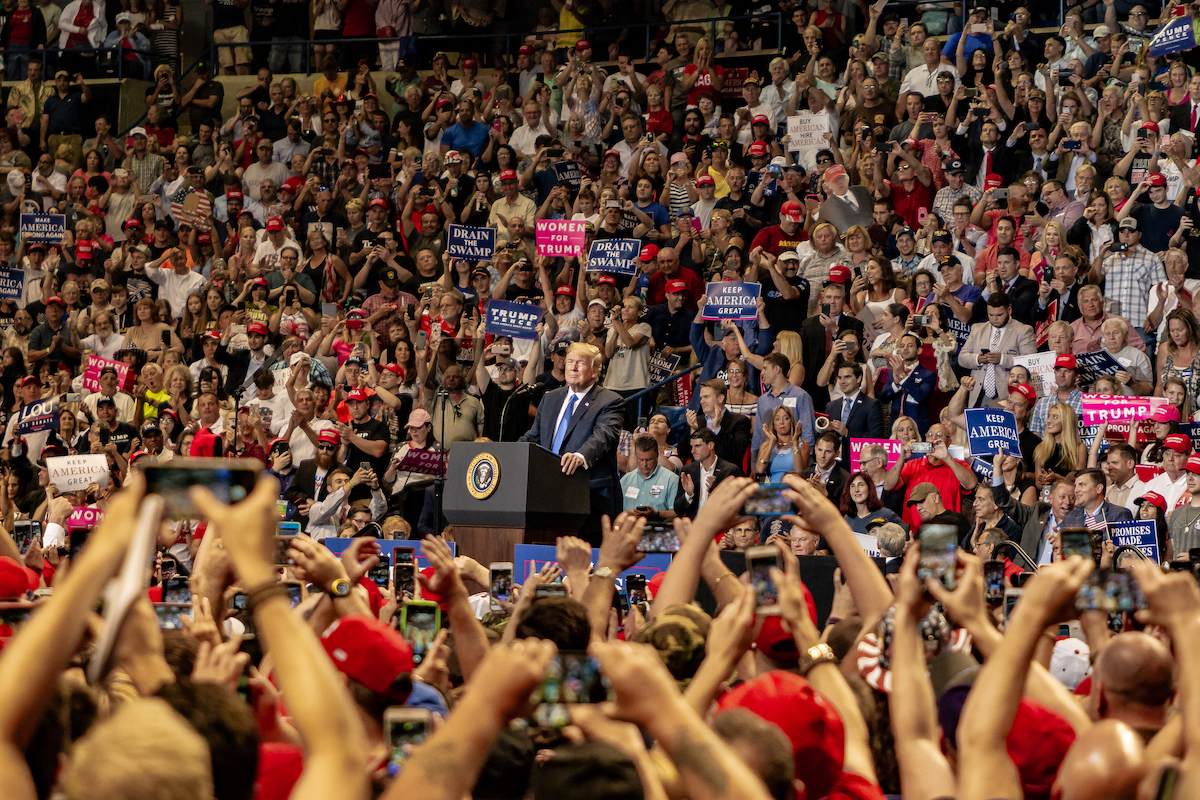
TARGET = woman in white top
x,y
327,26
628,349
894,322
845,349
1180,161
875,291
105,342
740,400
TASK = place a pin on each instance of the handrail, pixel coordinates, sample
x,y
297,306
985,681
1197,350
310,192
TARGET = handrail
x,y
58,51
638,395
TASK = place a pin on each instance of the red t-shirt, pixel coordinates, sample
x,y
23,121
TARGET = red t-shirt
x,y
703,84
854,787
695,287
659,122
20,26
908,202
775,241
359,19
918,471
83,18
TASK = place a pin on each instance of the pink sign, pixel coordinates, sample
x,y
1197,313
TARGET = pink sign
x,y
91,373
426,462
893,447
84,517
1099,408
560,237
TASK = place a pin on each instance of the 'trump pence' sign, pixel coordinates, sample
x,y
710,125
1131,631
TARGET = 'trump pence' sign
x,y
518,320
560,238
76,473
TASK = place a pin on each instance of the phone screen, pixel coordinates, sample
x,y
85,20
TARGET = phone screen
x,y
1076,542
404,729
420,627
25,531
169,614
381,572
938,546
993,582
501,585
759,561
658,539
635,587
229,480
176,590
768,501
285,533
572,677
77,538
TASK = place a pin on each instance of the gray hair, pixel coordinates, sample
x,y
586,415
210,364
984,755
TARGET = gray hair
x,y
891,539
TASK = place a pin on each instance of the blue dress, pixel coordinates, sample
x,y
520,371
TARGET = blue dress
x,y
781,464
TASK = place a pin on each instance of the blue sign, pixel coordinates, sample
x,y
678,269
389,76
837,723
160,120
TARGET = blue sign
x,y
44,228
1192,430
569,172
991,431
982,468
731,300
614,256
37,417
470,243
1139,533
12,284
517,320
388,548
1092,365
1175,36
529,558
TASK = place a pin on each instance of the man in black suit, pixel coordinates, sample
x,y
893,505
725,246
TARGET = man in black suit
x,y
310,483
1022,292
1062,293
854,416
700,477
732,430
893,543
1037,521
581,422
988,155
819,333
242,363
824,468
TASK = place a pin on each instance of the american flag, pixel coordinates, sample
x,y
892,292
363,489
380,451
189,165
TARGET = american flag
x,y
189,212
1096,523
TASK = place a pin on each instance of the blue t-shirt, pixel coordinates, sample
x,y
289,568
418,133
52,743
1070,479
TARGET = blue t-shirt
x,y
656,212
473,139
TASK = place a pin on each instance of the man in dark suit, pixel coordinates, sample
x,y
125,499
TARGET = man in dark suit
x,y
1091,510
907,385
1037,521
699,478
310,483
824,468
581,422
988,156
1022,292
854,416
819,333
732,430
1060,294
242,363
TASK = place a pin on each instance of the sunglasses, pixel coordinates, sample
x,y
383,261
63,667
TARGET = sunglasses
x,y
327,447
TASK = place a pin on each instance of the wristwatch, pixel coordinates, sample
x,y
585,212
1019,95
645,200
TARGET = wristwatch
x,y
339,588
604,572
816,655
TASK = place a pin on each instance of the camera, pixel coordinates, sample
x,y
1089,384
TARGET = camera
x,y
1072,144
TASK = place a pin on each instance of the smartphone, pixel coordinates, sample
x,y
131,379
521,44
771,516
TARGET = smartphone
x,y
1118,247
500,584
922,448
169,613
15,614
1110,590
1194,554
238,602
295,592
1065,79
939,544
635,588
999,194
825,309
1047,273
883,147
922,215
1030,126
768,501
381,572
403,729
658,538
176,590
920,319
970,94
329,310
553,589
993,582
76,539
759,561
649,137
1076,542
1011,596
25,532
73,397
420,621
285,533
1071,144
229,479
572,677
620,600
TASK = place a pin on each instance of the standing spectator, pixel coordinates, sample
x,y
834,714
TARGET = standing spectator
x,y
229,28
81,28
23,32
166,22
28,98
204,99
1128,278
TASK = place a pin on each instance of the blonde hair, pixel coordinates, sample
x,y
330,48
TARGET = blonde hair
x,y
589,350
144,750
1068,439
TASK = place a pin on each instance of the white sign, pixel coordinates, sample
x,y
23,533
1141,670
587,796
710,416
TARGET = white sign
x,y
869,542
1041,367
76,473
806,131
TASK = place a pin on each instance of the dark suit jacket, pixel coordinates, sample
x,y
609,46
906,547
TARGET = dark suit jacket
x,y
722,470
734,439
1075,517
865,422
1024,299
1004,162
812,335
836,485
1181,118
304,486
238,362
912,400
594,431
1031,519
1069,311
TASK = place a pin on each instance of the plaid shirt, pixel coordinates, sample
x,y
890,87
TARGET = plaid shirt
x,y
944,200
1037,422
1128,279
146,170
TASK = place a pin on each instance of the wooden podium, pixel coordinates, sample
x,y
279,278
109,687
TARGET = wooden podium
x,y
500,494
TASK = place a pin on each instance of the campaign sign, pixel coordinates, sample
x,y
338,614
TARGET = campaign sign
x,y
732,300
1174,36
1093,365
44,228
1100,408
12,284
806,132
569,172
1041,369
982,467
508,318
39,416
560,238
1191,430
662,367
91,373
470,243
991,431
388,547
76,473
529,558
892,446
869,542
84,517
1137,533
614,256
426,462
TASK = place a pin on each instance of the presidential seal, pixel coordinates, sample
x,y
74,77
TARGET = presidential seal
x,y
483,476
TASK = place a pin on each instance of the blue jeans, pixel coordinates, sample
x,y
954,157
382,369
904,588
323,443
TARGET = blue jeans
x,y
286,49
17,61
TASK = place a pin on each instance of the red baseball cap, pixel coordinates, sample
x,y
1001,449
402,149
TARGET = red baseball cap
x,y
705,180
357,396
394,368
525,50
1157,500
583,44
1165,413
274,224
56,299
257,327
508,175
259,282
1193,463
834,172
370,653
469,64
378,202
839,273
329,436
993,181
810,723
83,250
608,280
1157,179
648,253
213,335
567,290
674,287
758,149
791,211
131,223
1179,442
204,238
292,185
1066,360
15,579
233,194
760,119
1025,390
1150,125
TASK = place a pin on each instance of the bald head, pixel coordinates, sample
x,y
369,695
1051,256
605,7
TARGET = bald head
x,y
1133,681
1106,763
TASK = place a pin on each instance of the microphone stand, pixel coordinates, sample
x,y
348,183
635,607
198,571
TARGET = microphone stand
x,y
439,483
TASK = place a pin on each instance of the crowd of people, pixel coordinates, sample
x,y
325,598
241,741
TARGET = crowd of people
x,y
987,216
